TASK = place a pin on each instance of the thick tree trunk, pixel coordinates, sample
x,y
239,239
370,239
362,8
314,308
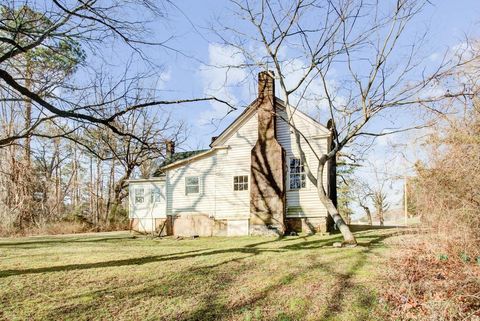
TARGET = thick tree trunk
x,y
348,237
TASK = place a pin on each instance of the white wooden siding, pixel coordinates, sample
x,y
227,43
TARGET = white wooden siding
x,y
305,201
235,162
203,202
216,170
147,209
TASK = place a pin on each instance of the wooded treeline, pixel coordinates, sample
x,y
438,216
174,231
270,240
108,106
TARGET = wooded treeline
x,y
81,181
71,134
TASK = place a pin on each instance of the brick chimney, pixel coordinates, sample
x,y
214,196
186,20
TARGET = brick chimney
x,y
267,187
169,149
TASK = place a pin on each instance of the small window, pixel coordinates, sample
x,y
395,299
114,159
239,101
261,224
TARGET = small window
x,y
240,183
297,174
139,195
155,195
192,185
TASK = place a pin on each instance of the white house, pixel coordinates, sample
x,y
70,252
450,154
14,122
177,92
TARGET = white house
x,y
251,180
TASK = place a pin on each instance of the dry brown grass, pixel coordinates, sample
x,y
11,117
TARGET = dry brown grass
x,y
64,227
435,274
424,283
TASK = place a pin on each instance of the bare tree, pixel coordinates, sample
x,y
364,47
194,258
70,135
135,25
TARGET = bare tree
x,y
59,87
381,204
129,153
363,195
353,51
70,31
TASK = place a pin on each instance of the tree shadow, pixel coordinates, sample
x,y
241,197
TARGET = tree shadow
x,y
249,249
65,240
219,278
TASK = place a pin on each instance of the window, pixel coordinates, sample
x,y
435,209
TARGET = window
x,y
240,183
192,185
139,195
297,174
155,195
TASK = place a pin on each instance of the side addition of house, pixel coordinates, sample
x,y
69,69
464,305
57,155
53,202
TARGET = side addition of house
x,y
250,182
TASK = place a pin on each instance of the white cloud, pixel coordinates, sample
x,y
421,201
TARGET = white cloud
x,y
434,57
163,79
221,80
314,102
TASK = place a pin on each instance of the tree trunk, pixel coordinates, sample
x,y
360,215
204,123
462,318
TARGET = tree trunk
x,y
331,209
97,194
326,201
28,115
369,215
111,186
90,188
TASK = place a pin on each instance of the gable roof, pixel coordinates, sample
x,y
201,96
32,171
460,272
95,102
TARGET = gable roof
x,y
237,123
312,121
183,157
250,111
176,157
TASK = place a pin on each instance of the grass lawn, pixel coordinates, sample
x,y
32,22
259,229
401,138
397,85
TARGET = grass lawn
x,y
112,276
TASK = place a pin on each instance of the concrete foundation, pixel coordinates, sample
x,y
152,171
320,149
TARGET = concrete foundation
x,y
186,225
193,224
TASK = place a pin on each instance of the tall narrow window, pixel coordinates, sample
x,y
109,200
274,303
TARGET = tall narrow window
x,y
139,195
297,174
155,195
240,183
192,185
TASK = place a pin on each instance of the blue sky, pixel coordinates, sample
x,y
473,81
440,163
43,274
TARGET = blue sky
x,y
184,74
447,21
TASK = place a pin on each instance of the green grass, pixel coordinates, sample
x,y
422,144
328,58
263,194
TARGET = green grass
x,y
113,276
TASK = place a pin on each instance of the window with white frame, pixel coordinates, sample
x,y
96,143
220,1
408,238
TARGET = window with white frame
x,y
297,176
240,183
139,195
192,185
155,195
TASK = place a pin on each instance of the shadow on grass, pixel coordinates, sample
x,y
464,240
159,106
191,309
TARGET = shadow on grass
x,y
67,240
250,248
219,277
213,306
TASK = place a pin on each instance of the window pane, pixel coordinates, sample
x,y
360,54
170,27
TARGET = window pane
x,y
240,183
193,180
155,195
192,189
139,195
297,174
192,185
